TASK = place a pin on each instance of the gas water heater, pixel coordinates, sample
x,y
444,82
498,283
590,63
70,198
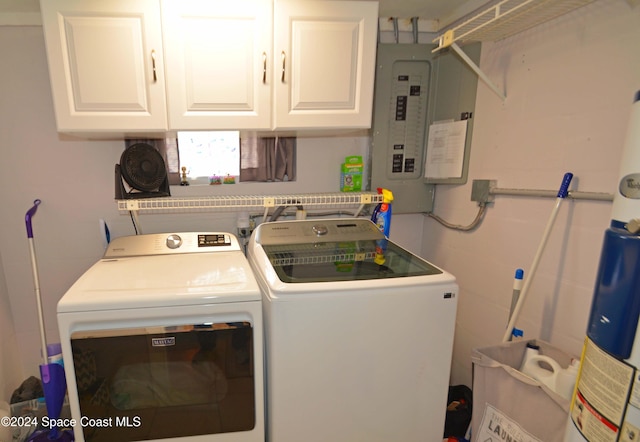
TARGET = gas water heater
x,y
606,401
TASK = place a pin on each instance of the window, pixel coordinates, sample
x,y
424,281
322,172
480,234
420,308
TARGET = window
x,y
209,156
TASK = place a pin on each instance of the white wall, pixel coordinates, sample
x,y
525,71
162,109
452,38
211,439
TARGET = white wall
x,y
70,177
10,369
74,178
570,84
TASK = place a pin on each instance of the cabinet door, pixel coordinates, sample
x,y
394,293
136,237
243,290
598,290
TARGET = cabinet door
x,y
326,53
217,56
105,64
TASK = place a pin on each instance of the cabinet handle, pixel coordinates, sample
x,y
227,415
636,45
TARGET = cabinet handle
x,y
153,65
284,58
264,68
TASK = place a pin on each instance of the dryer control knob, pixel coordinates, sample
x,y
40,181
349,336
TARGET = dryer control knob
x,y
174,241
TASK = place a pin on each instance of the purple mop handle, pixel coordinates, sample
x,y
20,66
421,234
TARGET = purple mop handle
x,y
29,215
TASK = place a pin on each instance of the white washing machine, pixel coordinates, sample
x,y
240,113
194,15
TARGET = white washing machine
x,y
162,339
358,334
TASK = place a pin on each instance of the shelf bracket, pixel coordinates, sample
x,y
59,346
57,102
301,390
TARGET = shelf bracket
x,y
478,71
447,40
502,19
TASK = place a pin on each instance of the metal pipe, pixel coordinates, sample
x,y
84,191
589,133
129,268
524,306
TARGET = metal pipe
x,y
396,31
593,196
573,194
414,28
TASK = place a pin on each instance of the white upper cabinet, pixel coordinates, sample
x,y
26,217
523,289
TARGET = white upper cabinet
x,y
217,55
227,64
325,63
105,64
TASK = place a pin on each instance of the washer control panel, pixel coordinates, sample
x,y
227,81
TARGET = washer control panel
x,y
171,243
214,240
313,231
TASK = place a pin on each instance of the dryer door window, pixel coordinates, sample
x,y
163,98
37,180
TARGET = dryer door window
x,y
165,382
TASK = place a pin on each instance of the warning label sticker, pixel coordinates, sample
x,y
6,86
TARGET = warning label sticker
x,y
498,427
591,423
602,389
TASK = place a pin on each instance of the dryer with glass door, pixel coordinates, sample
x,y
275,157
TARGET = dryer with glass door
x,y
358,334
162,340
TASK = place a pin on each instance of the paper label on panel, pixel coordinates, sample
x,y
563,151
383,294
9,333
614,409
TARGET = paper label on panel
x,y
445,149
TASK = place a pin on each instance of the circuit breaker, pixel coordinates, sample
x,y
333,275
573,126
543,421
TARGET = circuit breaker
x,y
409,90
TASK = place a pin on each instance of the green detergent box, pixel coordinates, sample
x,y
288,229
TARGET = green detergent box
x,y
351,174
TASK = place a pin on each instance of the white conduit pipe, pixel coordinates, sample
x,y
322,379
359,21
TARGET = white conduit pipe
x,y
561,195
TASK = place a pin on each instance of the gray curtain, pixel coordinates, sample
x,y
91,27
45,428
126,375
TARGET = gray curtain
x,y
267,159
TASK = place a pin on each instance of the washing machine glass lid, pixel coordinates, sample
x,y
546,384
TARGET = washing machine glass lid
x,y
345,261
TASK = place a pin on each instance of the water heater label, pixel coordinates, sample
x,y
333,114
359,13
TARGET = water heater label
x,y
600,400
630,186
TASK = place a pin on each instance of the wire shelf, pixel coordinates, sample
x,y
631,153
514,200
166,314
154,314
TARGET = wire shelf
x,y
320,253
188,205
505,18
322,259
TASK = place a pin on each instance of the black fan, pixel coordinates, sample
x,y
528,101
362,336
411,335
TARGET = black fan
x,y
143,169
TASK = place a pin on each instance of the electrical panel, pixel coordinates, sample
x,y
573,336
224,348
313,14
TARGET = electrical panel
x,y
415,88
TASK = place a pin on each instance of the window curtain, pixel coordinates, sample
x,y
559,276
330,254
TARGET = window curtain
x,y
267,159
